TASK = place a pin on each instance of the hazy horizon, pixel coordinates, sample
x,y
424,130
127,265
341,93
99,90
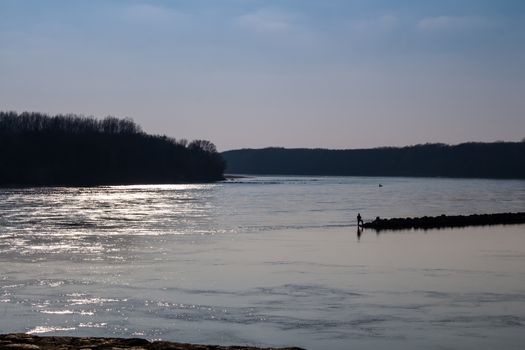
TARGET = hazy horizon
x,y
254,74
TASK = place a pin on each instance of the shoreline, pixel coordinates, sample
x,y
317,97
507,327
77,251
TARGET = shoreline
x,y
19,341
445,221
58,185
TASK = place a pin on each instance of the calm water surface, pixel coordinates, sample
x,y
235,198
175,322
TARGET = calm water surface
x,y
265,261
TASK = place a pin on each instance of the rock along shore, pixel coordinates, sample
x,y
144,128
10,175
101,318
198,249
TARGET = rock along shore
x,y
22,341
443,221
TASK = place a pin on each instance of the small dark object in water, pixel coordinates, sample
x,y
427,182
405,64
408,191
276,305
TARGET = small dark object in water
x,y
442,221
380,185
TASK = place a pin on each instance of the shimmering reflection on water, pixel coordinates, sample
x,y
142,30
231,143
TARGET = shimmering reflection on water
x,y
98,223
266,261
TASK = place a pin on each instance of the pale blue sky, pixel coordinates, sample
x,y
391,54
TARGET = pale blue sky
x,y
293,73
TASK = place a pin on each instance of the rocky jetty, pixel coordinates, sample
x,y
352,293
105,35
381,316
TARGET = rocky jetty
x,y
443,221
21,341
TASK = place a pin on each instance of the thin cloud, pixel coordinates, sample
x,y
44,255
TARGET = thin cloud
x,y
379,25
150,13
263,21
454,23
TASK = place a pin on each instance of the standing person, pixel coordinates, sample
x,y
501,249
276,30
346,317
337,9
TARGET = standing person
x,y
359,220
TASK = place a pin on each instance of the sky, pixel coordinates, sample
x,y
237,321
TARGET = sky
x,y
290,73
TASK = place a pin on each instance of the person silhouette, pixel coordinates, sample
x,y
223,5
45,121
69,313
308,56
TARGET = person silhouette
x,y
359,220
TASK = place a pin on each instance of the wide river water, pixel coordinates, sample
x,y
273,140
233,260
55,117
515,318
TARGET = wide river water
x,y
267,261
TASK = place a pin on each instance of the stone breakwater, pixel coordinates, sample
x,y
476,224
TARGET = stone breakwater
x,y
443,221
21,341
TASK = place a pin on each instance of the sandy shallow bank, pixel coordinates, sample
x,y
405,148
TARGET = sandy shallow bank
x,y
22,341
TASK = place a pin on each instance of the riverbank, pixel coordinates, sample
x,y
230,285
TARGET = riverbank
x,y
443,221
466,160
39,150
19,341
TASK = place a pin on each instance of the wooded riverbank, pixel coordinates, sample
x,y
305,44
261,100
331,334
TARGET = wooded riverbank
x,y
72,150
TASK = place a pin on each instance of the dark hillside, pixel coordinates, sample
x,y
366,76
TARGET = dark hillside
x,y
500,160
40,150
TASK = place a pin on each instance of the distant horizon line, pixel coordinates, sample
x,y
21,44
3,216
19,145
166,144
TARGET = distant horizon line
x,y
91,116
369,148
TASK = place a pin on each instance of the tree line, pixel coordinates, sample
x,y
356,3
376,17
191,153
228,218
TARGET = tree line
x,y
72,150
505,160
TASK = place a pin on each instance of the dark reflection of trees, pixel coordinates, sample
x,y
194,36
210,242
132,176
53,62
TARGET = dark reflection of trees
x,y
37,149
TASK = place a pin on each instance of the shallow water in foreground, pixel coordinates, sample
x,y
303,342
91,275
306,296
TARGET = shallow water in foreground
x,y
265,261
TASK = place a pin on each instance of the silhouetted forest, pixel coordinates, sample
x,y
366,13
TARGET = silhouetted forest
x,y
502,160
71,150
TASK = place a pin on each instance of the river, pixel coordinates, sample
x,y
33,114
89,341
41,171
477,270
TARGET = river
x,y
267,261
